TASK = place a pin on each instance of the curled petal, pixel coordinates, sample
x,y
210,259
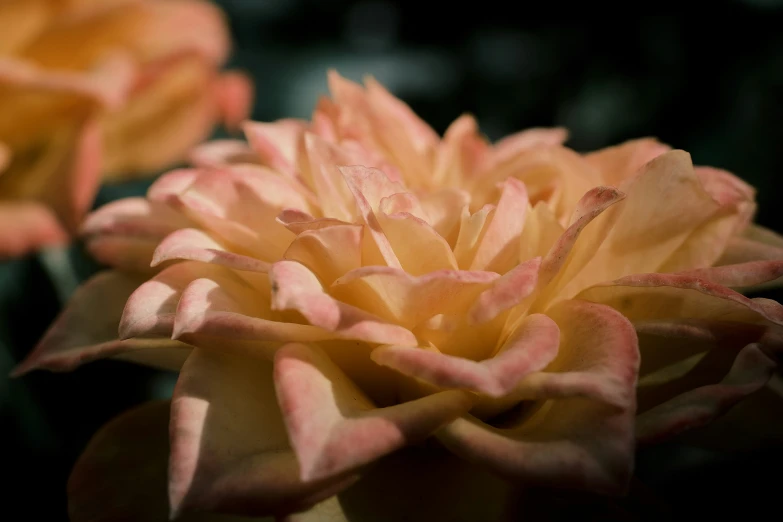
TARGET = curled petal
x,y
294,287
409,237
87,330
498,248
530,349
568,443
587,209
173,183
195,245
334,428
219,153
662,296
509,146
234,98
747,274
151,307
620,163
598,357
750,372
276,143
218,464
409,300
297,221
328,252
510,290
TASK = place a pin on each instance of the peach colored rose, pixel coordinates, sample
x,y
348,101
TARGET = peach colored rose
x,y
112,87
349,336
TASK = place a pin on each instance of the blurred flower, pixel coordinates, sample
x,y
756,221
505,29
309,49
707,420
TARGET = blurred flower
x,y
325,316
113,87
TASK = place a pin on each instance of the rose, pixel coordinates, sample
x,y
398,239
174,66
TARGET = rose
x,y
113,87
328,316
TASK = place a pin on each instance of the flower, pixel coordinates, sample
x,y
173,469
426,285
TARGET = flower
x,y
111,87
329,309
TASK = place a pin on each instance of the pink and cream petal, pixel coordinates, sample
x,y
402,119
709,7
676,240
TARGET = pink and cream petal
x,y
334,428
569,443
277,143
195,245
87,330
498,248
121,475
513,144
150,309
329,252
532,347
750,372
245,468
666,296
220,153
598,358
28,226
408,300
294,287
752,273
233,96
509,290
621,163
409,237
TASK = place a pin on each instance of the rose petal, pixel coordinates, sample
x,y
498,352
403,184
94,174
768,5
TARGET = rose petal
x,y
541,232
622,162
25,227
740,275
121,475
329,252
569,443
294,287
443,209
150,309
508,291
461,155
750,372
409,237
664,296
87,330
171,184
234,98
498,248
471,230
326,179
511,145
408,300
529,349
334,428
276,143
217,464
598,357
220,153
195,245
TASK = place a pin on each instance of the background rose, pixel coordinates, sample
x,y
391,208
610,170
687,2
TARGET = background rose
x,y
392,279
119,88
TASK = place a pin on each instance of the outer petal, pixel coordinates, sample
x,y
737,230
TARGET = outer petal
x,y
528,350
622,162
219,464
752,273
28,226
277,143
334,428
750,372
573,440
124,233
195,245
121,475
220,153
87,330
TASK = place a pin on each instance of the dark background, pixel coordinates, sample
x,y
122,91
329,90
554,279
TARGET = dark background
x,y
704,77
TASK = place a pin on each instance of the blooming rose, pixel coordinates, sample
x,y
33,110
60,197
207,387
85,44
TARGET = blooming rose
x,y
118,87
344,325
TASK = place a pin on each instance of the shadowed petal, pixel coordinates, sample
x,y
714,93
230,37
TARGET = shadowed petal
x,y
750,372
276,143
334,428
235,467
532,346
87,330
329,252
740,275
121,475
